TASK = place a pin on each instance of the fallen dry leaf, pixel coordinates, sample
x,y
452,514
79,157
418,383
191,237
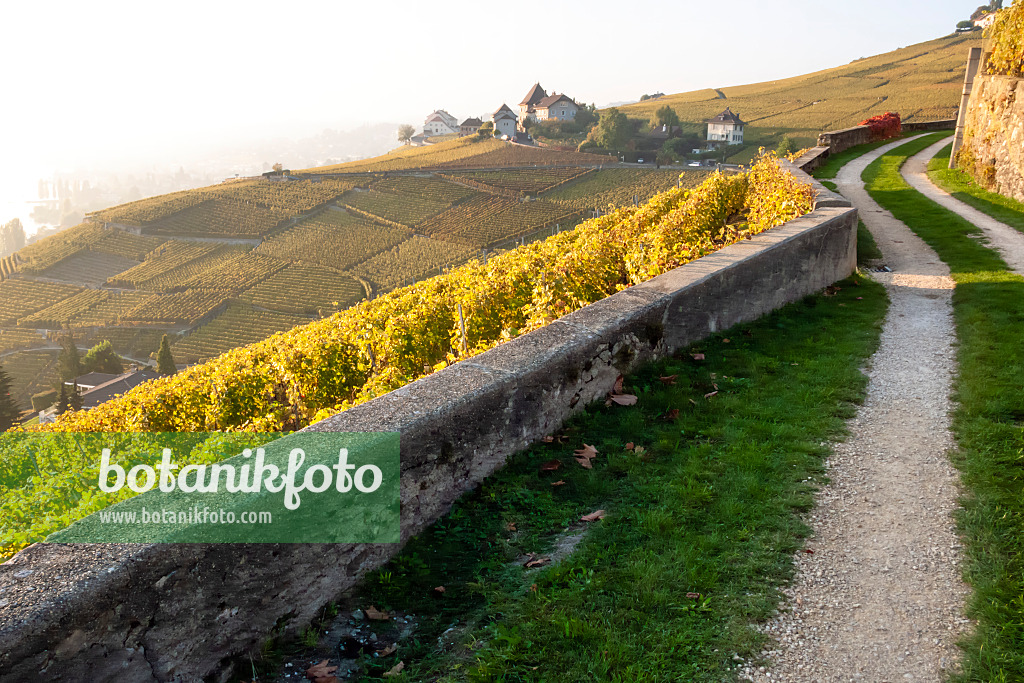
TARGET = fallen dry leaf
x,y
548,439
558,483
668,381
593,516
585,455
617,387
629,446
510,526
439,589
710,394
693,596
672,414
375,614
640,450
623,399
395,670
321,671
832,290
550,466
726,340
697,356
535,561
533,588
693,402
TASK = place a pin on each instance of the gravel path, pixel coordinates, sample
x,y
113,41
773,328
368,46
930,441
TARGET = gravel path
x,y
878,595
1001,237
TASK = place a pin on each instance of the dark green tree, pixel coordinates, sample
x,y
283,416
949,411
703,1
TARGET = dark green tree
x,y
62,399
586,116
9,412
102,358
613,129
69,362
486,130
164,360
75,398
785,147
665,116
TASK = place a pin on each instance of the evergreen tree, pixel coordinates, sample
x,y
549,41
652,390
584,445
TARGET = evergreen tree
x,y
69,361
75,399
9,412
164,360
62,399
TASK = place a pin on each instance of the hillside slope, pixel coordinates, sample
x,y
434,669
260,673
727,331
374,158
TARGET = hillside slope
x,y
922,82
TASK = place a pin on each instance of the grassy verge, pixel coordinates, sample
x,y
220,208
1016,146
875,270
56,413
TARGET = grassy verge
x,y
703,517
836,161
964,188
988,306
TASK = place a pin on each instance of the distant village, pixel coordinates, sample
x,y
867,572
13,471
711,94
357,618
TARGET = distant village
x,y
538,106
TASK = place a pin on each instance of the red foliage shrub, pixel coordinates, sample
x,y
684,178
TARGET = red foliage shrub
x,y
885,125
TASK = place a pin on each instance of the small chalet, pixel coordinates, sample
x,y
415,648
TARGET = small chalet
x,y
470,126
726,128
440,122
539,106
505,121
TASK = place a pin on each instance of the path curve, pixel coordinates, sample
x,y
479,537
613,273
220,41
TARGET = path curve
x,y
1001,237
877,595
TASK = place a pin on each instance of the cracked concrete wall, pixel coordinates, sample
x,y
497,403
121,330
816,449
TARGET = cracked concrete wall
x,y
184,612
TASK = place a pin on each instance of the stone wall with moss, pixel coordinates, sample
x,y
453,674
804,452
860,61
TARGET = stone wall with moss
x,y
993,149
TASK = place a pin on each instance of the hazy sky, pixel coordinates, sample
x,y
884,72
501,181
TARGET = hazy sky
x,y
104,82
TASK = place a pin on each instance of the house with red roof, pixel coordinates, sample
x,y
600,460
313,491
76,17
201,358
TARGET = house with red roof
x,y
539,106
726,128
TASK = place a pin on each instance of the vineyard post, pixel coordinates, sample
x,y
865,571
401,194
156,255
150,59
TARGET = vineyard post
x,y
462,329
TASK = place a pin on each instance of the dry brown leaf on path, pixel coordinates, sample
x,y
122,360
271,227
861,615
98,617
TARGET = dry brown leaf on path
x,y
623,399
617,387
593,516
395,670
319,672
548,439
389,650
697,356
710,394
375,614
672,414
550,465
629,446
510,526
439,589
535,561
558,483
693,596
668,381
585,455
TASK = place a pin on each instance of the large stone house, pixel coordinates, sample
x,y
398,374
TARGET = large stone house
x,y
440,122
539,106
505,121
726,128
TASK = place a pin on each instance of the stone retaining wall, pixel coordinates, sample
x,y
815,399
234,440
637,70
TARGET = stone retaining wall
x,y
183,612
994,134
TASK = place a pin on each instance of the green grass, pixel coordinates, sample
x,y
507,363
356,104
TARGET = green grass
x,y
712,507
836,161
988,307
962,186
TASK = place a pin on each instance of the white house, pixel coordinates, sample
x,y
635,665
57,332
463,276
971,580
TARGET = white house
x,y
539,106
504,121
726,128
440,122
470,126
985,21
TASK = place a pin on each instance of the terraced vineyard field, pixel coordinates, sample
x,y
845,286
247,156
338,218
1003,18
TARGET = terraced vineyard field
x,y
180,308
167,258
126,245
31,372
618,187
488,220
150,210
411,259
63,312
222,218
305,290
19,298
92,268
236,274
141,343
335,239
407,210
238,325
432,188
112,309
521,155
14,339
525,181
415,157
201,270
